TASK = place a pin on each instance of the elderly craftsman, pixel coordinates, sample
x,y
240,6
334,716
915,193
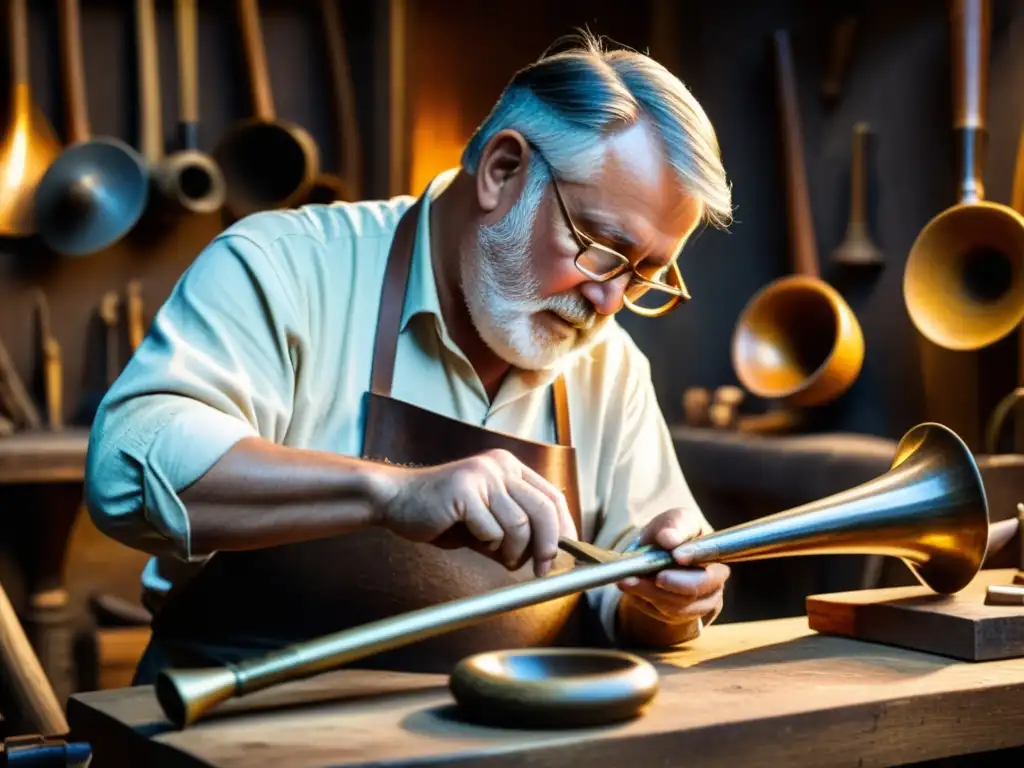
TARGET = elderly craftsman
x,y
350,411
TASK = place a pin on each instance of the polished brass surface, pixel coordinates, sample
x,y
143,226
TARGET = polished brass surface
x,y
95,192
29,144
963,283
797,340
553,687
930,510
267,162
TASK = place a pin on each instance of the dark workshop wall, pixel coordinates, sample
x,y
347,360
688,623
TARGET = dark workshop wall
x,y
898,82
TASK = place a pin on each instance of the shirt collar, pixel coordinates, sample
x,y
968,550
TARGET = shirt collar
x,y
422,299
421,289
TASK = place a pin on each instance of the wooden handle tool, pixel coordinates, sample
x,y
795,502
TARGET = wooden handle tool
x,y
24,677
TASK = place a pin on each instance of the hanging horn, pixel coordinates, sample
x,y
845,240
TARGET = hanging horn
x,y
964,278
929,510
797,340
28,143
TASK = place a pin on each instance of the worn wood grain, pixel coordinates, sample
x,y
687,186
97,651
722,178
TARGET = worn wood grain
x,y
960,626
759,693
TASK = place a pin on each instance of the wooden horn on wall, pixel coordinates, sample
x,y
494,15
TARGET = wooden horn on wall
x,y
963,283
797,340
267,162
29,143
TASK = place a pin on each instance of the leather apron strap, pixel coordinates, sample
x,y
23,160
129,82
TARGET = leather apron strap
x,y
389,319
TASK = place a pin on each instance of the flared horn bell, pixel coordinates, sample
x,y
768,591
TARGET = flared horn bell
x,y
929,510
964,278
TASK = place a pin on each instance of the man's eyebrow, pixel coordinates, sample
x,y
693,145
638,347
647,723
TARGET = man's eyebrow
x,y
601,227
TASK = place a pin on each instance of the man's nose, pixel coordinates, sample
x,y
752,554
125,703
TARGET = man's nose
x,y
607,297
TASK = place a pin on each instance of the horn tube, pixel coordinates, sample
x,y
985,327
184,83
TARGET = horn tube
x,y
929,509
963,283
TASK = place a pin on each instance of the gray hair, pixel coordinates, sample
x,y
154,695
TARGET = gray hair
x,y
567,102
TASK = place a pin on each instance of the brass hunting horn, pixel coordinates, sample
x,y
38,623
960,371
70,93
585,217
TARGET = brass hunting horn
x,y
797,340
964,279
929,509
29,144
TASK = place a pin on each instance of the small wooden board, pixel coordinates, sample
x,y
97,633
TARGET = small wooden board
x,y
960,626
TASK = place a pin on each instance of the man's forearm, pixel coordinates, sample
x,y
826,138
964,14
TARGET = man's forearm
x,y
260,494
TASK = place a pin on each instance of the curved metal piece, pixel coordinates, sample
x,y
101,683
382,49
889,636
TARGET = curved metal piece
x,y
998,418
553,687
930,510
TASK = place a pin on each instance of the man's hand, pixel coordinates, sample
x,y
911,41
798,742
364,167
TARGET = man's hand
x,y
492,502
675,597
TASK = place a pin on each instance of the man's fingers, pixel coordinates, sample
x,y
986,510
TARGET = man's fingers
x,y
481,523
543,523
515,522
566,526
693,583
671,607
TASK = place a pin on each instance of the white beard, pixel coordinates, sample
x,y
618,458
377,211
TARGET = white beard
x,y
502,295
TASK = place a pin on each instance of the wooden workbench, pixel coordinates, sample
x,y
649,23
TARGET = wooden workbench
x,y
767,693
41,479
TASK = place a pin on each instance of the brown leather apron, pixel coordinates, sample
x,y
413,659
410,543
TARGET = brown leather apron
x,y
245,603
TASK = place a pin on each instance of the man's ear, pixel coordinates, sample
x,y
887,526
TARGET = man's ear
x,y
501,174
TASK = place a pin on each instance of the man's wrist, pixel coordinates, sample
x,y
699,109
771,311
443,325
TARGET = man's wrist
x,y
379,484
638,628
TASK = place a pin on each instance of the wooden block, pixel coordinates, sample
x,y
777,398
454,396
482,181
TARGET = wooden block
x,y
960,626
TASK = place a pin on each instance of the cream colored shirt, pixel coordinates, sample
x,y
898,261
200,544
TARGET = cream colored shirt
x,y
270,333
